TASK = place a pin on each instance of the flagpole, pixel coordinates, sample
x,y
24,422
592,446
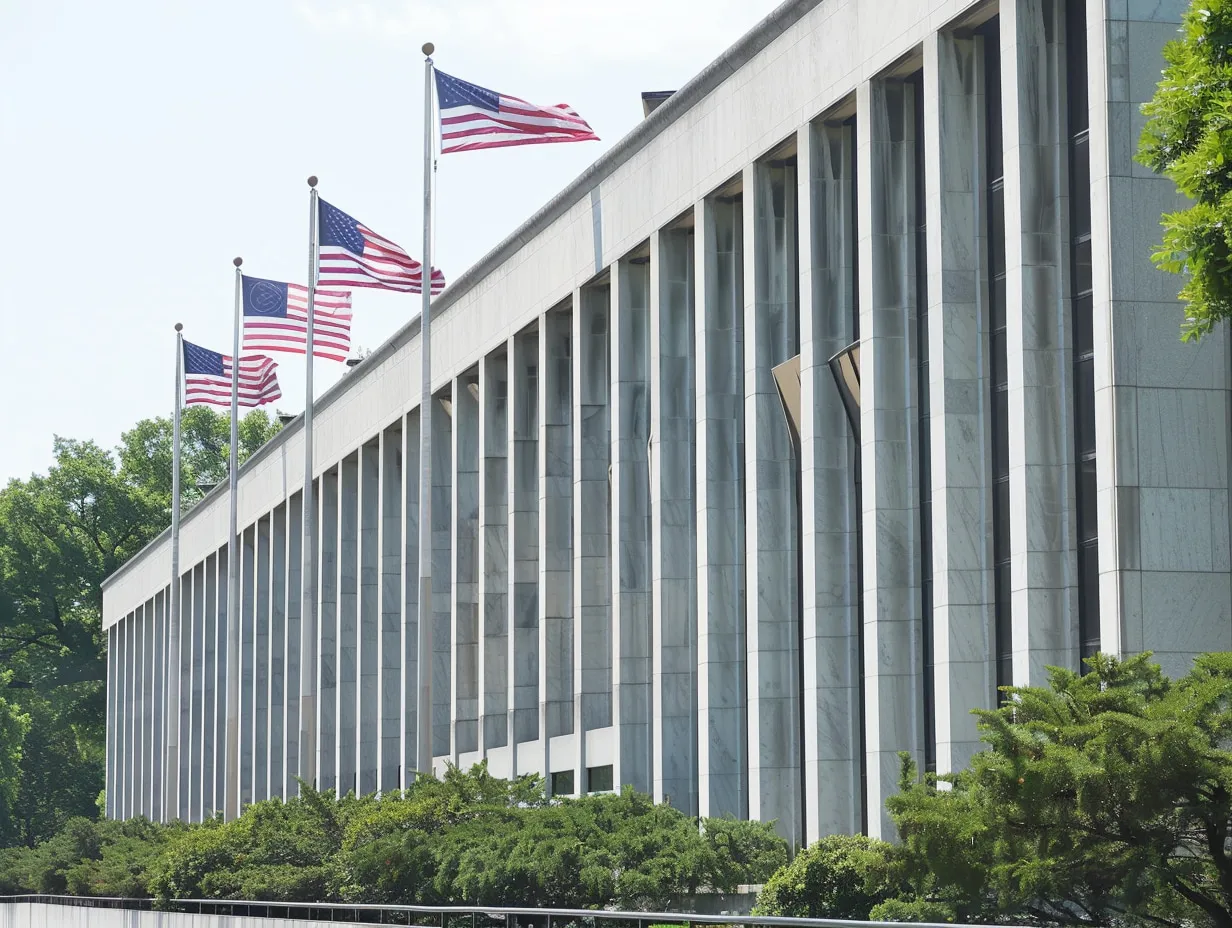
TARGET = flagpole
x,y
423,748
171,721
232,809
308,608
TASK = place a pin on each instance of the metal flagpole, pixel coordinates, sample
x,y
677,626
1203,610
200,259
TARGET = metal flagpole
x,y
232,809
171,717
423,747
308,609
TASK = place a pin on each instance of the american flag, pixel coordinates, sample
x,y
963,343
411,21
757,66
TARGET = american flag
x,y
352,255
276,319
207,378
474,117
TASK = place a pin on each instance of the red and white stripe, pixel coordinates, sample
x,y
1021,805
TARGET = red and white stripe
x,y
383,265
258,383
331,330
469,128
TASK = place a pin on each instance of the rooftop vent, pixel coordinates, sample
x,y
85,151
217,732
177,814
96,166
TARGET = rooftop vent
x,y
653,99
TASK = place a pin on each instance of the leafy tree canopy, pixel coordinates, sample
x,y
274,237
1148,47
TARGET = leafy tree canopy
x,y
1188,138
1103,797
61,534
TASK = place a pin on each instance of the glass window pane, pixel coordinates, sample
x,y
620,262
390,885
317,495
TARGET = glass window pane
x,y
1000,374
1088,616
1088,511
1004,612
1000,433
1080,184
1082,267
996,230
1084,388
996,301
1001,520
1084,335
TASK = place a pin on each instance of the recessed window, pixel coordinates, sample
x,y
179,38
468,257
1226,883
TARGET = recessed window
x,y
562,783
599,779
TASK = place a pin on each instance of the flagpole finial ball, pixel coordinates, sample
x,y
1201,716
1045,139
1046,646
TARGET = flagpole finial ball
x,y
237,261
312,181
179,327
428,49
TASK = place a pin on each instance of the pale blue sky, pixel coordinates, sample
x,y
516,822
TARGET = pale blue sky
x,y
145,143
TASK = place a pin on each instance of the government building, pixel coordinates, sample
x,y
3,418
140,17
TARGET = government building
x,y
837,395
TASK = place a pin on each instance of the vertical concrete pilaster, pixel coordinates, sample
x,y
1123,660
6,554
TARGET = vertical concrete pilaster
x,y
294,651
630,539
674,519
443,527
1042,526
592,519
722,748
524,655
893,657
368,708
959,390
831,661
771,326
555,594
390,546
347,693
327,616
467,684
492,554
277,652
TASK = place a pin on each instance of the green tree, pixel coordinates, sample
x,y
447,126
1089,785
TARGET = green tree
x,y
842,876
1102,797
14,725
61,534
1188,138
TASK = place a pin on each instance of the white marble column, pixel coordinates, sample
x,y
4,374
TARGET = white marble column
x,y
771,328
192,614
1162,491
327,616
261,663
248,545
893,658
631,568
227,687
293,651
148,695
389,544
592,519
1043,561
368,707
111,783
409,699
493,552
524,655
348,626
157,665
128,753
442,576
832,737
467,683
722,749
555,594
276,739
209,690
963,591
673,526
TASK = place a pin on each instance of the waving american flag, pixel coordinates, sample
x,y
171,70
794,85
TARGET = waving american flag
x,y
352,255
207,378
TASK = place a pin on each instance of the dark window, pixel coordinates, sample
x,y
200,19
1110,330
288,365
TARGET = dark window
x,y
599,779
1082,315
562,783
925,425
998,361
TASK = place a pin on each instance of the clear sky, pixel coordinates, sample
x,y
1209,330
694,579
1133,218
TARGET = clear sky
x,y
145,143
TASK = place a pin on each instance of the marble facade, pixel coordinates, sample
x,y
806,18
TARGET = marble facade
x,y
651,564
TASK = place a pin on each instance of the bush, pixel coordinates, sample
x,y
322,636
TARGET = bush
x,y
842,876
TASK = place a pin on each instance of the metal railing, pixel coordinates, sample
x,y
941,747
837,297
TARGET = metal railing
x,y
420,916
